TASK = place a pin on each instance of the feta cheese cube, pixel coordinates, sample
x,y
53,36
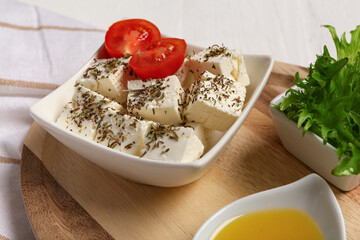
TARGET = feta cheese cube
x,y
70,119
239,72
189,80
106,76
220,61
86,99
212,137
183,71
84,113
199,131
171,144
121,132
158,100
215,101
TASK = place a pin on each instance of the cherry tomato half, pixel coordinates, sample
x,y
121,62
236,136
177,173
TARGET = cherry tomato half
x,y
159,59
124,38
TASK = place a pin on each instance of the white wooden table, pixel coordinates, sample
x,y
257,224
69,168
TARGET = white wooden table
x,y
289,30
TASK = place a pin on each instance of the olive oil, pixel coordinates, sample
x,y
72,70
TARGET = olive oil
x,y
275,224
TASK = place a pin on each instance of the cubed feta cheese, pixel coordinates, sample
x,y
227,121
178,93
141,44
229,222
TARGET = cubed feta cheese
x,y
220,61
239,72
199,131
212,137
215,101
171,144
158,100
106,76
121,132
70,119
183,71
84,113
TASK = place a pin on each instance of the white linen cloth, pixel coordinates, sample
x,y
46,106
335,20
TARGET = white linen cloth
x,y
39,50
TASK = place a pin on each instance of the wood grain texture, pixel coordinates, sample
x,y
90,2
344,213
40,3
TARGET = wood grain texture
x,y
254,161
3,238
52,212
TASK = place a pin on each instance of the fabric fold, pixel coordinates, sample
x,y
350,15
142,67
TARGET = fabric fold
x,y
40,50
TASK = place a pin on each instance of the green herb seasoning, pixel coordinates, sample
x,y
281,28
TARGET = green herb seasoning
x,y
157,133
215,90
101,68
88,107
216,51
153,92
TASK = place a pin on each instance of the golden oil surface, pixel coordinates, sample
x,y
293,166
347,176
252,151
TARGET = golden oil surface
x,y
276,224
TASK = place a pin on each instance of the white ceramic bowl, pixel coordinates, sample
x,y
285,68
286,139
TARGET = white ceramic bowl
x,y
309,148
141,170
310,194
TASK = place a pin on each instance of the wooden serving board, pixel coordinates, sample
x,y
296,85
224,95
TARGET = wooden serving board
x,y
68,197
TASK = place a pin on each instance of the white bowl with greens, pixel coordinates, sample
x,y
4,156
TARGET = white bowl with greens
x,y
318,120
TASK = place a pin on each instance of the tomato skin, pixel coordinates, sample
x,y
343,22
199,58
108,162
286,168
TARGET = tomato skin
x,y
126,37
159,59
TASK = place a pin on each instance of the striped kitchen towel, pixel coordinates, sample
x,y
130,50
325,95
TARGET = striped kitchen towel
x,y
39,50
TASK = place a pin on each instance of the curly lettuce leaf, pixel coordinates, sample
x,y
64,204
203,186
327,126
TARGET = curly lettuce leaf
x,y
345,49
327,102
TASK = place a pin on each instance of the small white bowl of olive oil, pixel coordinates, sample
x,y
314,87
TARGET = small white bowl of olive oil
x,y
305,209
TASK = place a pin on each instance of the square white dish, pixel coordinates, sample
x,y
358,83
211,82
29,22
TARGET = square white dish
x,y
157,173
310,194
309,148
